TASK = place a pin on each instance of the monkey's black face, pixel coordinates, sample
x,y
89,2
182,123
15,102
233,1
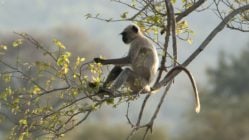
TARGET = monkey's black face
x,y
125,37
129,34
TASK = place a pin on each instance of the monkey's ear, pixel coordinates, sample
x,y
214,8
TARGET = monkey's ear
x,y
134,28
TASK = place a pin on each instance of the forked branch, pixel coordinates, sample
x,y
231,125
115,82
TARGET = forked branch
x,y
203,45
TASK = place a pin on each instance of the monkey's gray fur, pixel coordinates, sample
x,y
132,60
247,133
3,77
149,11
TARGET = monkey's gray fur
x,y
142,58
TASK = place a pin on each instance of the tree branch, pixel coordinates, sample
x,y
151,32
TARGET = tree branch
x,y
203,45
139,12
166,44
186,12
189,10
150,124
173,29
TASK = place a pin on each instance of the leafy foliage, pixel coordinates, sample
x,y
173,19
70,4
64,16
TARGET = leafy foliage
x,y
33,103
45,94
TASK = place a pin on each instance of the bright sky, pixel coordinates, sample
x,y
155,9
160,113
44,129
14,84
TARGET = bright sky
x,y
23,15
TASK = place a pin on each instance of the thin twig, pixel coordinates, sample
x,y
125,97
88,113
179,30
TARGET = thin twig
x,y
36,43
127,115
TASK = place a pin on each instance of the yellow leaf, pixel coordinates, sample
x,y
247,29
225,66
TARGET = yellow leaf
x,y
65,69
17,43
23,122
190,41
36,90
96,79
64,59
82,59
7,77
3,47
124,15
58,44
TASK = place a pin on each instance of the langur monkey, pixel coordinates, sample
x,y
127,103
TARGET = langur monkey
x,y
142,59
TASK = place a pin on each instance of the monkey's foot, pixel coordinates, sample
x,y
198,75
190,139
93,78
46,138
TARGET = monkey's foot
x,y
105,91
92,84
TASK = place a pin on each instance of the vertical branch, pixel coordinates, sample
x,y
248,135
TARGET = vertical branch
x,y
173,29
166,44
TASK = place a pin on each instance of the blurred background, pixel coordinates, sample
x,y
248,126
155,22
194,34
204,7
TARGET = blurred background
x,y
221,71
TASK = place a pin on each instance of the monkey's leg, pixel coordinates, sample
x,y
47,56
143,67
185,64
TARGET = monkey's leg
x,y
135,81
114,73
122,78
110,78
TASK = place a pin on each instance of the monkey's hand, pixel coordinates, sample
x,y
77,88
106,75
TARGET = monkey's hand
x,y
98,60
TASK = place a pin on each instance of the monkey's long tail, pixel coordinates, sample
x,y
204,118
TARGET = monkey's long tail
x,y
191,77
197,99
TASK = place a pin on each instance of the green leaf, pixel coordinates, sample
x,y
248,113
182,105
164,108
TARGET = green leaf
x,y
124,15
36,90
17,43
3,47
7,77
190,41
110,101
23,122
88,15
58,44
63,59
79,60
133,3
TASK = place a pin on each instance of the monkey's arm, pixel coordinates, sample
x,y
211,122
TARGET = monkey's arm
x,y
118,61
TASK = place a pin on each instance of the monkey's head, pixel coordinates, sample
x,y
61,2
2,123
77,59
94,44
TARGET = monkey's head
x,y
130,33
